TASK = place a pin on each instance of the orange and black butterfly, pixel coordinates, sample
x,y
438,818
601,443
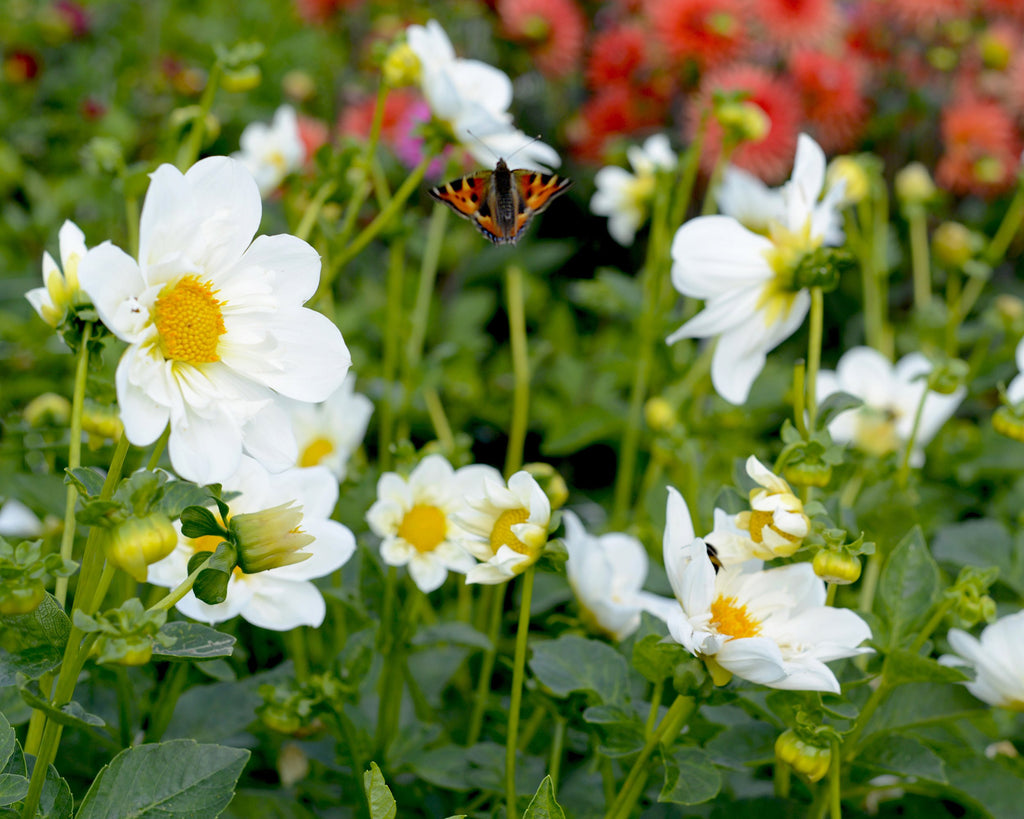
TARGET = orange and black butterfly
x,y
501,202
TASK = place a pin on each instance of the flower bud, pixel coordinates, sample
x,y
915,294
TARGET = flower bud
x,y
1006,422
242,79
948,376
1010,308
271,538
298,85
48,410
743,122
401,66
808,473
660,414
914,185
812,761
135,543
995,48
21,598
101,423
840,568
551,482
847,169
953,244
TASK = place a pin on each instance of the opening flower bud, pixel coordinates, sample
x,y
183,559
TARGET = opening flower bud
x,y
811,761
401,66
134,544
271,538
743,122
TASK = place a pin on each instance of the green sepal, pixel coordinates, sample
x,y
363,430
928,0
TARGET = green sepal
x,y
211,584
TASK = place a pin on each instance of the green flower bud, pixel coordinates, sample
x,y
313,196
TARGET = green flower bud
x,y
953,244
1006,422
401,66
811,761
271,538
48,410
242,79
298,85
808,473
838,567
551,482
135,543
847,169
743,122
21,597
914,185
660,414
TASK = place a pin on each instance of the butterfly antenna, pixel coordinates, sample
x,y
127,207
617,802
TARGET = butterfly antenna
x,y
524,145
488,147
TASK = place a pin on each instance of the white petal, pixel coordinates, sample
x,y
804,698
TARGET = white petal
x,y
17,520
144,419
281,605
427,574
205,450
112,279
333,547
715,254
753,658
293,265
316,353
227,201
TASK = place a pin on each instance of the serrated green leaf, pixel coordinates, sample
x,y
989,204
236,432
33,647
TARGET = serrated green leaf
x,y
573,663
87,480
543,804
31,663
908,587
455,633
177,495
833,405
13,788
903,667
193,641
8,742
56,801
378,794
71,713
690,777
198,521
904,756
656,659
176,778
47,625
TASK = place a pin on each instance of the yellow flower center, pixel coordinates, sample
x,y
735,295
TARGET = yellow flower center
x,y
424,528
788,248
276,158
729,617
316,451
756,521
190,322
875,432
640,191
501,534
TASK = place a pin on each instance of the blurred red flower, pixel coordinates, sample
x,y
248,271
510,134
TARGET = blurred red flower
x,y
797,22
553,30
617,54
831,89
982,149
709,32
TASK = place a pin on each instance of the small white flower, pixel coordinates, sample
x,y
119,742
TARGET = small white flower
x,y
328,433
214,322
746,279
416,519
770,627
891,396
624,197
61,290
507,526
271,152
282,598
471,98
18,521
607,574
996,659
1015,389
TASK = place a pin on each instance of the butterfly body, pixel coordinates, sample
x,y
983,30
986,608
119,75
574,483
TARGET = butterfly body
x,y
501,203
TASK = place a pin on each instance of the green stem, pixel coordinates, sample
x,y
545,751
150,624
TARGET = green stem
x,y
782,777
190,148
313,209
158,448
124,711
953,310
74,655
1007,228
880,250
170,689
382,220
518,673
295,640
799,400
814,354
835,804
710,205
933,623
483,686
131,211
442,429
646,331
676,716
557,750
652,714
869,582
520,368
392,342
904,473
428,276
184,587
919,260
391,681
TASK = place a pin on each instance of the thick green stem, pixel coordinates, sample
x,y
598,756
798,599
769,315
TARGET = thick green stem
x,y
953,310
184,587
295,641
1008,228
904,473
520,369
392,343
814,354
919,260
188,153
518,673
442,429
671,724
313,209
483,685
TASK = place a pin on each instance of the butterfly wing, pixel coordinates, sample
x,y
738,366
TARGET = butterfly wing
x,y
472,198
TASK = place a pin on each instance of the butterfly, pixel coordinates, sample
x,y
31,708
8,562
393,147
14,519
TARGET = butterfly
x,y
501,202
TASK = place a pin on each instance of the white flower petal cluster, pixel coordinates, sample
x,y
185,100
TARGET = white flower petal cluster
x,y
891,396
996,659
507,526
768,626
61,289
271,152
214,322
416,519
278,599
624,197
607,574
745,278
329,432
472,99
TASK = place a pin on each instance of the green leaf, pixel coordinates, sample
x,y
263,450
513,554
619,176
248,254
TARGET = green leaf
x,y
656,659
193,641
56,801
8,742
71,713
543,804
211,584
905,756
47,625
460,634
573,663
908,587
31,663
378,794
903,667
980,542
13,788
198,521
690,777
836,403
740,746
179,494
623,730
177,778
87,480
991,785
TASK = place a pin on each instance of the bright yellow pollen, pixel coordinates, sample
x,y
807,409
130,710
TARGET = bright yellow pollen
x,y
756,523
316,451
190,322
424,528
732,619
501,534
276,158
788,248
